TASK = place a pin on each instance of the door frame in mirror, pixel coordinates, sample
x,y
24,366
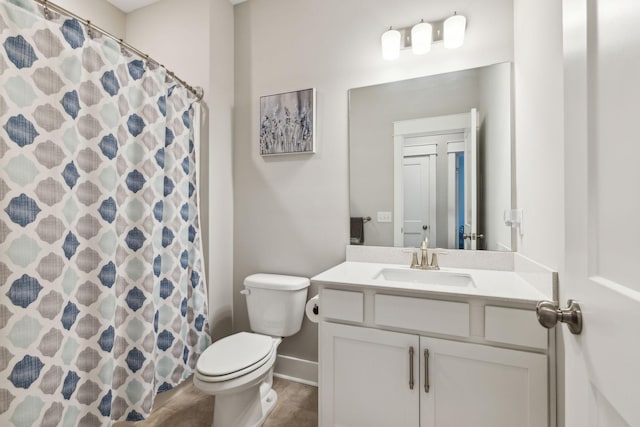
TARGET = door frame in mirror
x,y
427,126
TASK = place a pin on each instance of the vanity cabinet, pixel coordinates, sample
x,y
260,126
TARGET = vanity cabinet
x,y
375,372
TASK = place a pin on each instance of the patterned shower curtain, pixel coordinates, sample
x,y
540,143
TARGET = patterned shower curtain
x,y
102,299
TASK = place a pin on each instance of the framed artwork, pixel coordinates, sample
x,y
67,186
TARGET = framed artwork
x,y
287,123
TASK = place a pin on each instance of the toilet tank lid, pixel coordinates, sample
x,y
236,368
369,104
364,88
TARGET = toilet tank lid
x,y
278,282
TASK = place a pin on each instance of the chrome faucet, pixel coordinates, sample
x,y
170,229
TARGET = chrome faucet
x,y
424,261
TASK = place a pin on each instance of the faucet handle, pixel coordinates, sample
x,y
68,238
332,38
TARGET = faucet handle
x,y
414,260
434,257
434,261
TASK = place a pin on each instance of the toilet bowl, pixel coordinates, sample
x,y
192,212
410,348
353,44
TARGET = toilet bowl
x,y
238,369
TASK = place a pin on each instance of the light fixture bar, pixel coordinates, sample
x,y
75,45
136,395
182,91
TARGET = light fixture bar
x,y
437,34
451,31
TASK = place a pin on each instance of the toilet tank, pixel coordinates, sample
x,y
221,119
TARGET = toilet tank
x,y
275,303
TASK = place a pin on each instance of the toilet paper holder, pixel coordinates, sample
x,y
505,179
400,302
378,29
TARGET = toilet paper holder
x,y
312,309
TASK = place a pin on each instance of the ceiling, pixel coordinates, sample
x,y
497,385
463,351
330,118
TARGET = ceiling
x,y
130,5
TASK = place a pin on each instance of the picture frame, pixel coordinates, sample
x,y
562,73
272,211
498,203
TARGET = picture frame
x,y
287,123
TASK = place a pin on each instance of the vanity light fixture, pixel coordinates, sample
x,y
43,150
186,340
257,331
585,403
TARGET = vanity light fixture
x,y
454,27
390,44
420,37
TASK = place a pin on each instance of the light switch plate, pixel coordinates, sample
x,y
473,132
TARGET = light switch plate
x,y
384,217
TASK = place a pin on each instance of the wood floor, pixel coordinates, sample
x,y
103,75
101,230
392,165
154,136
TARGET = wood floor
x,y
297,405
187,406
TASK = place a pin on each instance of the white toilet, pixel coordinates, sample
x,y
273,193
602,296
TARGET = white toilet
x,y
238,369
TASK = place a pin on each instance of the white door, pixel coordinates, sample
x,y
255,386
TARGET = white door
x,y
602,208
419,195
365,377
473,385
471,182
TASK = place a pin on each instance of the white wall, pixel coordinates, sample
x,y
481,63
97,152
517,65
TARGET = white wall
x,y
194,38
539,129
292,213
99,12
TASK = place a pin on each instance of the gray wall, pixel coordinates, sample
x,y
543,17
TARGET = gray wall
x,y
100,12
496,136
291,214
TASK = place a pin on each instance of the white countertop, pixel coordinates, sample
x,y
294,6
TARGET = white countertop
x,y
490,284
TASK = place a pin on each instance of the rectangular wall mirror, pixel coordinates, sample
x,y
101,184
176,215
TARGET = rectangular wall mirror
x,y
431,157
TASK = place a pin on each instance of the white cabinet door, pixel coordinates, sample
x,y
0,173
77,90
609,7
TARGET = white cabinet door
x,y
365,377
474,385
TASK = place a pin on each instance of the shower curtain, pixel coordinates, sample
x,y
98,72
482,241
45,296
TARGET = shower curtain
x,y
102,300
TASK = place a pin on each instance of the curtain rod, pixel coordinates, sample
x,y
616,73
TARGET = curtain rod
x,y
47,5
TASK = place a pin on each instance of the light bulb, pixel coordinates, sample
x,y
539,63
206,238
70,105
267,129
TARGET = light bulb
x,y
390,45
454,28
421,37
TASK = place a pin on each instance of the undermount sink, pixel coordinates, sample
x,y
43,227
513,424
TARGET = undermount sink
x,y
426,277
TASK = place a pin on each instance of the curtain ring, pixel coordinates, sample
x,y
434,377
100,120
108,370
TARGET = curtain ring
x,y
123,50
199,93
47,13
89,30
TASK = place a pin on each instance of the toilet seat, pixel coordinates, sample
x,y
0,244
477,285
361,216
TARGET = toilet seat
x,y
235,356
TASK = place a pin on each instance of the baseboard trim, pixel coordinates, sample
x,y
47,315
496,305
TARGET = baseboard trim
x,y
296,369
294,379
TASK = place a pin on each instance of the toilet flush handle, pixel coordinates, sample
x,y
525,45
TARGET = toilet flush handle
x,y
245,292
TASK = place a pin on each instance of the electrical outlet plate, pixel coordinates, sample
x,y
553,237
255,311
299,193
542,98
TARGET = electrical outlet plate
x,y
513,219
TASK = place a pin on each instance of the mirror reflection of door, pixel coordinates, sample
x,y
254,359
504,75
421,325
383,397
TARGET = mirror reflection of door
x,y
419,179
456,194
435,182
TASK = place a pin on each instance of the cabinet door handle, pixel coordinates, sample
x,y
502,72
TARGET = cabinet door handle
x,y
411,368
426,370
